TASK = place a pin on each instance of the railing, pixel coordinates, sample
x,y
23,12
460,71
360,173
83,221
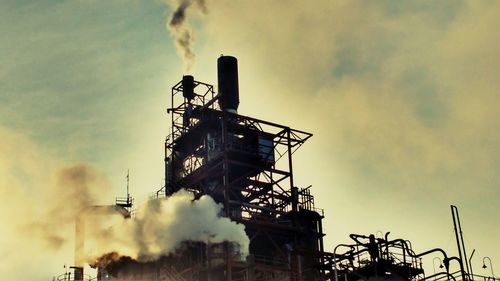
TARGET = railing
x,y
457,275
126,202
170,273
306,201
68,276
271,261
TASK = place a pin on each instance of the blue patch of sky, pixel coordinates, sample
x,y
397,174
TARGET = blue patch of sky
x,y
420,90
352,60
439,12
73,68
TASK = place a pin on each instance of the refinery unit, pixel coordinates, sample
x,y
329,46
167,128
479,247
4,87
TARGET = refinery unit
x,y
246,165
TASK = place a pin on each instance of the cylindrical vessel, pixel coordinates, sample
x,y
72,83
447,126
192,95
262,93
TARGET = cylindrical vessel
x,y
188,86
227,72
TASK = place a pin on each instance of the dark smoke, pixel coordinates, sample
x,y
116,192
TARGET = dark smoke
x,y
76,188
182,32
108,260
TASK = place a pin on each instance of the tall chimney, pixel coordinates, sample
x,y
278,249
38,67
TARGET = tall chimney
x,y
188,86
227,72
79,247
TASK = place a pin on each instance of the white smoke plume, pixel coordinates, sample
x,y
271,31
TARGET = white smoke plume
x,y
182,31
43,197
160,227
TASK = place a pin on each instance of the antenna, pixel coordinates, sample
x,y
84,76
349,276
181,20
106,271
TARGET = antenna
x,y
128,201
128,181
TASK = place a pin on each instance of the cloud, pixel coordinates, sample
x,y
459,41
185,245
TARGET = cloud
x,y
42,196
400,97
397,83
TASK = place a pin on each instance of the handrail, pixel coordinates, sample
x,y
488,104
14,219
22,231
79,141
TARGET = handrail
x,y
68,276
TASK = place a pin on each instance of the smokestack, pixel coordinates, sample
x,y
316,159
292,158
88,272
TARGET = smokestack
x,y
227,72
79,247
188,87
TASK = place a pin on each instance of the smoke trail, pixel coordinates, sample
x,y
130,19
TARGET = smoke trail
x,y
41,195
76,188
160,227
182,32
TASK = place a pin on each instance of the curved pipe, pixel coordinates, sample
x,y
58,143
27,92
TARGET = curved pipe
x,y
352,247
411,253
407,249
344,256
356,236
387,235
404,245
440,273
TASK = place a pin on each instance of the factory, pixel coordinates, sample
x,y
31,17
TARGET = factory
x,y
246,166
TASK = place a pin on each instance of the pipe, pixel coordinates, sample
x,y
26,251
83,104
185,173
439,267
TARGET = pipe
x,y
406,248
453,211
470,263
355,237
387,246
439,273
463,243
352,247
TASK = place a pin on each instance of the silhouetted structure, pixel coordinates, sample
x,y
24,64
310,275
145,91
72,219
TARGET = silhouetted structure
x,y
246,165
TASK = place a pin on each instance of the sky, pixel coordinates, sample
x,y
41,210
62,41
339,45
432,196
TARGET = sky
x,y
401,97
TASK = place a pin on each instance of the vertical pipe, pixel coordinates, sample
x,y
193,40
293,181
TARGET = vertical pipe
x,y
170,189
165,159
387,243
320,229
79,246
225,164
251,268
404,252
463,243
335,266
470,263
321,246
290,165
167,182
294,198
464,277
294,204
225,182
